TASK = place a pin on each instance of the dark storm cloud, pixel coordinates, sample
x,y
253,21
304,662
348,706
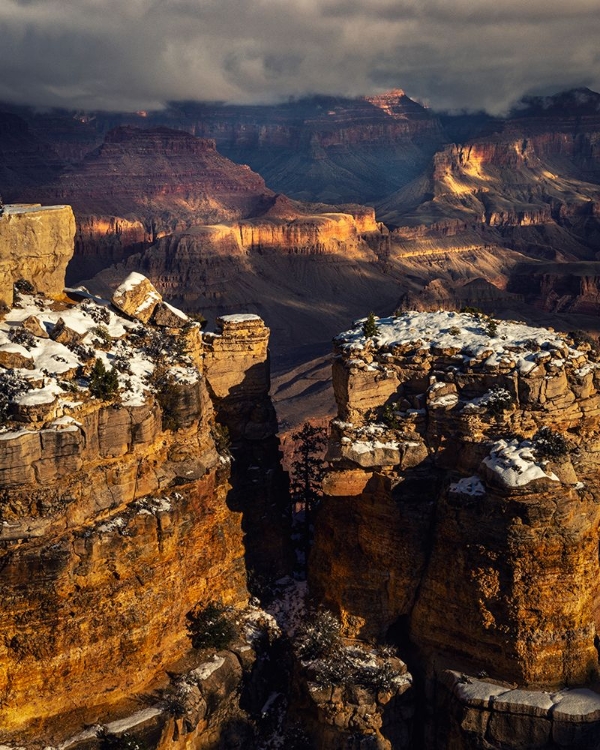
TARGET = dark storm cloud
x,y
138,54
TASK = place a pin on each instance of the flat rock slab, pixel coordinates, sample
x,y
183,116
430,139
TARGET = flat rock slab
x,y
478,693
579,705
473,692
524,702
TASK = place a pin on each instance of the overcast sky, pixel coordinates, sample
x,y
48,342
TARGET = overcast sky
x,y
137,54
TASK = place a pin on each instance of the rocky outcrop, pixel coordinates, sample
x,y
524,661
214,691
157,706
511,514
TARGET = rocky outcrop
x,y
199,707
36,243
461,505
117,513
238,377
473,712
340,714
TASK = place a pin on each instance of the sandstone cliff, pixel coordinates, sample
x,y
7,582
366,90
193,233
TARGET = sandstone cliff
x,y
116,508
304,269
461,506
36,243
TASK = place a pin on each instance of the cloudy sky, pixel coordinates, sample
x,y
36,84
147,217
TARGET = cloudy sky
x,y
137,54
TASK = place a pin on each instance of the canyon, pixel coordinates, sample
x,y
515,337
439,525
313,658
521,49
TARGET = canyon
x,y
456,542
458,437
462,203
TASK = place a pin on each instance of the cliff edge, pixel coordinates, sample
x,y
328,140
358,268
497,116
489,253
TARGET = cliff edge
x,y
36,243
460,517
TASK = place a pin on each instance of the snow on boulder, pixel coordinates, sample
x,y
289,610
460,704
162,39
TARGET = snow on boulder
x,y
136,297
13,356
513,464
66,334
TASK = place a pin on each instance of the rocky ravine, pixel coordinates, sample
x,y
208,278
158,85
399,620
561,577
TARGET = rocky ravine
x,y
461,520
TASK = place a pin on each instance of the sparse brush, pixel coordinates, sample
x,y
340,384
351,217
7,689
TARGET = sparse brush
x,y
12,386
24,287
550,444
319,636
118,742
98,313
471,310
22,337
103,338
497,400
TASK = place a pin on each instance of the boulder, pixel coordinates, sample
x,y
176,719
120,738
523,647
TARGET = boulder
x,y
166,316
64,334
136,297
13,356
33,325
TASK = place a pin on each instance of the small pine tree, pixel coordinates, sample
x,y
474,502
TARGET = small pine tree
x,y
306,474
210,626
550,444
104,383
491,328
370,327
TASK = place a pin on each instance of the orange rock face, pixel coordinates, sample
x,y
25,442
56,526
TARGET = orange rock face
x,y
466,527
36,243
118,517
91,616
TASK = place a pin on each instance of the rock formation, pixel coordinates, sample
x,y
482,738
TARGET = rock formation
x,y
460,509
320,148
142,184
116,510
36,243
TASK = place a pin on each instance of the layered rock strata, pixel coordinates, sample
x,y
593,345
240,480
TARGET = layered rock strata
x,y
116,514
461,503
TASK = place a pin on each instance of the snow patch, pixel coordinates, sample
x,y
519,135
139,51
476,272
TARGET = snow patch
x,y
468,486
239,318
204,671
514,463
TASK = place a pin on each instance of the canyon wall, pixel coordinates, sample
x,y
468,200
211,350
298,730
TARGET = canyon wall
x,y
36,243
460,515
117,510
